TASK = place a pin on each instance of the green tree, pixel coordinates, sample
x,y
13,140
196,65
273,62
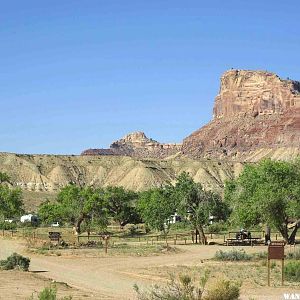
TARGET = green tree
x,y
197,205
155,207
121,205
11,202
76,204
50,212
269,193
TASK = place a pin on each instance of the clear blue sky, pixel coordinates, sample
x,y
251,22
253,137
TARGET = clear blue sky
x,y
79,74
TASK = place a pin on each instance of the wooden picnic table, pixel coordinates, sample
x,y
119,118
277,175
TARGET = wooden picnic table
x,y
246,241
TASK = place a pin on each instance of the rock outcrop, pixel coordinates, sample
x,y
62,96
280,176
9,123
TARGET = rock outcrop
x,y
256,115
137,145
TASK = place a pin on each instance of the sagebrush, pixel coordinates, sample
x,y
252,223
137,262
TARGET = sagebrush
x,y
15,261
185,288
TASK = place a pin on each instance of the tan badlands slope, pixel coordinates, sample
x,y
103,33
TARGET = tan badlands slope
x,y
40,176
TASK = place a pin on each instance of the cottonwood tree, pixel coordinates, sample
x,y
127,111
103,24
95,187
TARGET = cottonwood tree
x,y
75,205
121,205
156,206
269,193
11,202
197,204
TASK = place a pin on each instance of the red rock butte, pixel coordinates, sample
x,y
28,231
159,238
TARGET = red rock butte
x,y
256,115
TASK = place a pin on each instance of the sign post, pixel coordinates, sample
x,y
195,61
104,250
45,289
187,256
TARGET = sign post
x,y
276,251
105,238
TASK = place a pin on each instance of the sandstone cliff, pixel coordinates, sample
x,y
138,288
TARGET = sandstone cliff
x,y
256,115
138,145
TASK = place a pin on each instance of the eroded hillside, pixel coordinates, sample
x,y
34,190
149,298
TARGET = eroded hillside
x,y
41,176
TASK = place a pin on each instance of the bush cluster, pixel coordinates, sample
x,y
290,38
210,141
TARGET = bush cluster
x,y
224,290
232,255
15,261
7,226
184,288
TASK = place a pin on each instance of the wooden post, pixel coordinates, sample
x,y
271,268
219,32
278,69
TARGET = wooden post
x,y
268,272
185,241
167,240
152,241
174,241
78,239
193,237
106,245
276,236
139,238
282,272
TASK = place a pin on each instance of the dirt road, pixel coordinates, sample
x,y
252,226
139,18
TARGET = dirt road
x,y
113,277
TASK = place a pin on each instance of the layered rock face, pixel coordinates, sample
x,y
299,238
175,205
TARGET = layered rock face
x,y
256,115
137,145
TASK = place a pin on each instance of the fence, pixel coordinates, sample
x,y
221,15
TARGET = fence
x,y
183,238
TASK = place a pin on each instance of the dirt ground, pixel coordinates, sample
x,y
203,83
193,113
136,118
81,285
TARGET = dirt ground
x,y
94,275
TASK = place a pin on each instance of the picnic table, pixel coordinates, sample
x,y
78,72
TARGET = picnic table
x,y
247,241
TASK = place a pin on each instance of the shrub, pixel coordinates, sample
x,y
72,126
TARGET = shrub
x,y
294,255
224,290
217,227
232,255
184,288
49,293
7,225
292,270
15,261
260,255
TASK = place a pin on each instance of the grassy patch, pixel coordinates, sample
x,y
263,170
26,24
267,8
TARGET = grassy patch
x,y
232,255
292,271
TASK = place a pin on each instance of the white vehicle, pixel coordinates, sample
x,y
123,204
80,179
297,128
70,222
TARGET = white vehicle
x,y
29,218
8,220
55,224
173,219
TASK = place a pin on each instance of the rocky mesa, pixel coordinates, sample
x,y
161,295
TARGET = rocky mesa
x,y
138,145
256,115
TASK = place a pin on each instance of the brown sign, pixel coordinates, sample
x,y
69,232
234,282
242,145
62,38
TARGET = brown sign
x,y
276,251
54,236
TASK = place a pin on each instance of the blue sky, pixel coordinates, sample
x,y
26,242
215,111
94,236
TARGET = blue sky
x,y
80,74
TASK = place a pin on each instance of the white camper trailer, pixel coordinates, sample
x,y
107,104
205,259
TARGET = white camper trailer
x,y
33,219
